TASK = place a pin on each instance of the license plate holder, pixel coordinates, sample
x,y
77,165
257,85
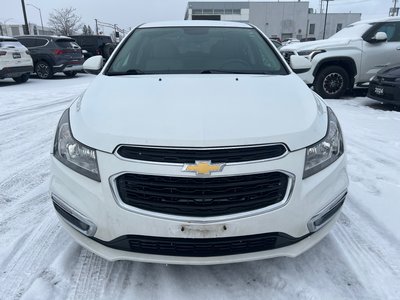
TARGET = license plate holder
x,y
16,55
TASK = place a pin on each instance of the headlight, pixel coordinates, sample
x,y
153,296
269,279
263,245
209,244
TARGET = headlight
x,y
310,53
326,151
72,153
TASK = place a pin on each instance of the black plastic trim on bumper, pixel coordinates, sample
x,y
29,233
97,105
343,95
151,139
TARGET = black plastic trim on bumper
x,y
15,71
392,95
195,247
57,69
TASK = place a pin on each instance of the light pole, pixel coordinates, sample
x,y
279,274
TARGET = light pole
x,y
326,15
26,26
40,13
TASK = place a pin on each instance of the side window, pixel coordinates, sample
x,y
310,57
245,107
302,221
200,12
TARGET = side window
x,y
28,43
392,30
41,42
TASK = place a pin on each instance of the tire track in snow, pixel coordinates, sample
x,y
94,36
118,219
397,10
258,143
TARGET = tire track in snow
x,y
90,276
29,259
372,257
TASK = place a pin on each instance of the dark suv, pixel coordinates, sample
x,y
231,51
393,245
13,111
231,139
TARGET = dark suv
x,y
52,54
95,45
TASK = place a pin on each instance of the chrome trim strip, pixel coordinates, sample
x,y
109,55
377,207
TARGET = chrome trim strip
x,y
200,148
311,226
92,227
204,220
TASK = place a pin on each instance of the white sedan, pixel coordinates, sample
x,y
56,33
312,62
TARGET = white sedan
x,y
198,144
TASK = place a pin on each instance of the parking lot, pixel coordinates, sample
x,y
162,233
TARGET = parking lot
x,y
359,259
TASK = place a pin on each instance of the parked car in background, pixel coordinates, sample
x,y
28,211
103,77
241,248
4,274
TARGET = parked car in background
x,y
290,41
15,61
385,86
95,45
350,57
53,54
308,39
277,44
197,144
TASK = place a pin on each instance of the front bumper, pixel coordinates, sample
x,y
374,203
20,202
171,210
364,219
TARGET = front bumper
x,y
97,202
390,93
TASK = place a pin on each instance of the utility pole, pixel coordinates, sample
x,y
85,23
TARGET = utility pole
x,y
326,15
97,27
26,31
394,10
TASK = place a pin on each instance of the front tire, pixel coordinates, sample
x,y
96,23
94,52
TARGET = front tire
x,y
21,79
44,70
331,82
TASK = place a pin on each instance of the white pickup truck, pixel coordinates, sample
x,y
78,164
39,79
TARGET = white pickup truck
x,y
350,57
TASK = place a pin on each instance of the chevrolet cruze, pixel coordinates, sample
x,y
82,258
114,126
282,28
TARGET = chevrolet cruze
x,y
198,144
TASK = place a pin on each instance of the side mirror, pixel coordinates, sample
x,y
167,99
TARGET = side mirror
x,y
93,65
299,64
379,37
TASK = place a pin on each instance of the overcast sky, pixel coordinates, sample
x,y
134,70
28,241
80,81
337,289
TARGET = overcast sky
x,y
128,13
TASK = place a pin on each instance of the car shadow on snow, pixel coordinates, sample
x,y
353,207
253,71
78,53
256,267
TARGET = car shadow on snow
x,y
55,77
383,106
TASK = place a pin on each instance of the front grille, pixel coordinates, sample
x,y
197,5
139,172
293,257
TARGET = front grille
x,y
228,155
202,197
190,247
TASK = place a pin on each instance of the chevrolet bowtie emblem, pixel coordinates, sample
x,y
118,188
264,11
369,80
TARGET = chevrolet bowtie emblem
x,y
203,167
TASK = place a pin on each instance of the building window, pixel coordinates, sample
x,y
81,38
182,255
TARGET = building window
x,y
311,29
218,11
339,27
228,11
236,11
207,11
197,11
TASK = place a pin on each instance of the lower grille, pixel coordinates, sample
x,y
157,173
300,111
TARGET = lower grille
x,y
202,197
201,247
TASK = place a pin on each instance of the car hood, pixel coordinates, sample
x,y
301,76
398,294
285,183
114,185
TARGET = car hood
x,y
390,71
317,45
204,110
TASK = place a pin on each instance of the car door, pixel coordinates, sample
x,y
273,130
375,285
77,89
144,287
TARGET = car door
x,y
377,55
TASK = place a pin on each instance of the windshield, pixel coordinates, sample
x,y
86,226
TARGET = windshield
x,y
191,50
352,31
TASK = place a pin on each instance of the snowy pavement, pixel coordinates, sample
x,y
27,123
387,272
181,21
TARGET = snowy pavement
x,y
359,259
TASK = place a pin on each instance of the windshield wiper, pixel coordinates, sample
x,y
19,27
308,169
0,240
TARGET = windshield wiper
x,y
216,71
129,72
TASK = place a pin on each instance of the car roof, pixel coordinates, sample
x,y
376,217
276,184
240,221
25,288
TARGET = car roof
x,y
195,24
44,36
7,38
89,35
370,21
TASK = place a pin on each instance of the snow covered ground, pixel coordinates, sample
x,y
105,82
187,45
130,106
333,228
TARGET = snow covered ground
x,y
359,259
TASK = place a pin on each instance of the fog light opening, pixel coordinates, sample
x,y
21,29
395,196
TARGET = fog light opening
x,y
323,217
74,218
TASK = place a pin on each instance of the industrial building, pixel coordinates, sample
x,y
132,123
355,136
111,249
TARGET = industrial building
x,y
276,19
18,29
